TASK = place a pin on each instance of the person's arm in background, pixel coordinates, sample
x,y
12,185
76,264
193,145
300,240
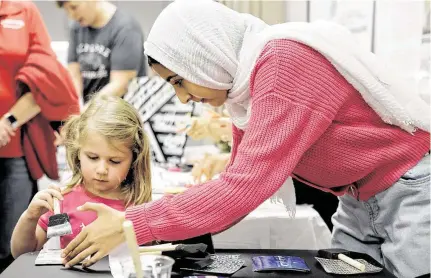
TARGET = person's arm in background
x,y
43,84
126,60
72,60
75,72
26,107
47,79
23,111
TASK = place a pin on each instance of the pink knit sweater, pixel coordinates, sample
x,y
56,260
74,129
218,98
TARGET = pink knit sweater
x,y
307,121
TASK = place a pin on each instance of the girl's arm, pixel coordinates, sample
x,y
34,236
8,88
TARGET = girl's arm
x,y
27,236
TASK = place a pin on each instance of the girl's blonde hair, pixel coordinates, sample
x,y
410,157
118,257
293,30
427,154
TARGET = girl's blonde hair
x,y
115,119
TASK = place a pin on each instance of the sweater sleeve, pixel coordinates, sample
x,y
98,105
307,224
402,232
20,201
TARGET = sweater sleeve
x,y
280,130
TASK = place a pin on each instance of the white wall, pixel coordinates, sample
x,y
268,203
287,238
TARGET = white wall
x,y
296,11
398,33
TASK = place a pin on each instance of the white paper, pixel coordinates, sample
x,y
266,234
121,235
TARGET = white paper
x,y
115,257
49,257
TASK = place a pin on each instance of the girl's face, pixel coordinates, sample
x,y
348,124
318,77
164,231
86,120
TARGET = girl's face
x,y
187,91
104,165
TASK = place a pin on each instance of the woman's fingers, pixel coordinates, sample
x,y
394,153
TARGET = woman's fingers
x,y
67,252
82,256
78,249
103,234
93,259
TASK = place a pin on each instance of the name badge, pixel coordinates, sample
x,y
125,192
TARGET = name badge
x,y
12,23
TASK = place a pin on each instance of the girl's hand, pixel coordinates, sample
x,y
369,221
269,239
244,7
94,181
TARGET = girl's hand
x,y
43,201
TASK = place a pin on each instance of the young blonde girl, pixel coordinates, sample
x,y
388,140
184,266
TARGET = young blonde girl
x,y
108,154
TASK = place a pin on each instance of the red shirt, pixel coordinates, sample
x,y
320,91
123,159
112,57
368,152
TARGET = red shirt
x,y
306,121
26,56
78,219
18,23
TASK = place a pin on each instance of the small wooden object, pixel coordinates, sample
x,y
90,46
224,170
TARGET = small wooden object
x,y
132,244
342,255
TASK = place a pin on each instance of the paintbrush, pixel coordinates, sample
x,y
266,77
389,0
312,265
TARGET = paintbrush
x,y
177,250
185,255
59,223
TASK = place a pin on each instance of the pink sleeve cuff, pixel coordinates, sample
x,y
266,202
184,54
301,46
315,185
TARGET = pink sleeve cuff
x,y
138,217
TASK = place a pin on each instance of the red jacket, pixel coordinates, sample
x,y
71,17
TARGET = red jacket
x,y
26,56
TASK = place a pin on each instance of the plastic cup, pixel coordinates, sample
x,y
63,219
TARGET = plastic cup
x,y
153,266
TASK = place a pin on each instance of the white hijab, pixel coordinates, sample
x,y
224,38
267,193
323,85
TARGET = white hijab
x,y
213,46
204,42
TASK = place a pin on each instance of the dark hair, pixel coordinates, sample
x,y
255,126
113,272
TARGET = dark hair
x,y
152,61
60,3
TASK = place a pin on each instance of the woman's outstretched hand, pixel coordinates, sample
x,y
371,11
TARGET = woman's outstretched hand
x,y
97,239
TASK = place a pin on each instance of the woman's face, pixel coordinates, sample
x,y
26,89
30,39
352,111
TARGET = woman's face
x,y
187,91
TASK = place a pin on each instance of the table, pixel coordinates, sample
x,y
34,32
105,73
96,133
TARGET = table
x,y
24,267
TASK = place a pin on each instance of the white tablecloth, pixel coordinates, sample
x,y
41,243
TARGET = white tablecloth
x,y
269,227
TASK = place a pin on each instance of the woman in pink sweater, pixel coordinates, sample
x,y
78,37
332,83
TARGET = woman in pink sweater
x,y
305,102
